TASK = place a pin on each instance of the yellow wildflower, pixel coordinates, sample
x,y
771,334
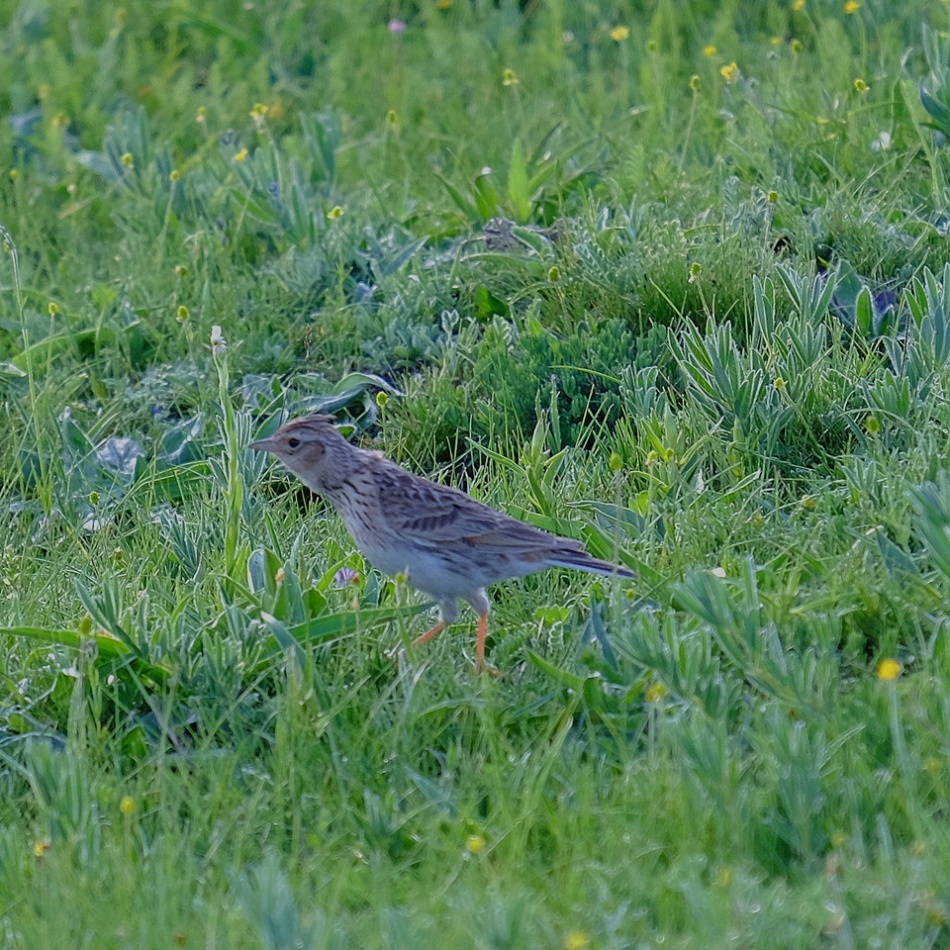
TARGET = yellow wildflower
x,y
888,669
474,844
655,693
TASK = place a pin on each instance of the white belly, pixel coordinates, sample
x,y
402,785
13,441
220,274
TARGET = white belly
x,y
443,575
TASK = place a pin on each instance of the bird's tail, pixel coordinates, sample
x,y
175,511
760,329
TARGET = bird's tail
x,y
580,560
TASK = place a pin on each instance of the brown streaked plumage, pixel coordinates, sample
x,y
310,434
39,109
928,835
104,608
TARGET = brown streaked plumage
x,y
447,544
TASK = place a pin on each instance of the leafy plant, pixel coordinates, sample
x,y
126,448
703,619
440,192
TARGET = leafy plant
x,y
538,186
935,94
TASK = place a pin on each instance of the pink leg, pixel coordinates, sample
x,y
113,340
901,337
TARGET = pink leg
x,y
480,666
480,642
429,634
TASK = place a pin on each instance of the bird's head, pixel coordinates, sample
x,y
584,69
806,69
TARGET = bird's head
x,y
310,447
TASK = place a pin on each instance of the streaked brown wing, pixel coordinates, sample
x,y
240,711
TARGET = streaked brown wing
x,y
430,514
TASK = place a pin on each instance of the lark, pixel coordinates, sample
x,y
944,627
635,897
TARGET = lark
x,y
448,545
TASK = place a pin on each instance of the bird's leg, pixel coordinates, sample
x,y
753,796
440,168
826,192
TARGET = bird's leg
x,y
429,634
480,642
480,666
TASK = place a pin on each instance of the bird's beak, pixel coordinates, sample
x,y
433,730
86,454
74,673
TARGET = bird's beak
x,y
263,445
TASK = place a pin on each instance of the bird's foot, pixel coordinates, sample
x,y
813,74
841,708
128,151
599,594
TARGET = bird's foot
x,y
484,667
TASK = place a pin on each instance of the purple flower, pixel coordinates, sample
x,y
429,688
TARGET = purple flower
x,y
396,26
346,576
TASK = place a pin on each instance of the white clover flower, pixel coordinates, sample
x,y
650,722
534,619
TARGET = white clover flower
x,y
218,345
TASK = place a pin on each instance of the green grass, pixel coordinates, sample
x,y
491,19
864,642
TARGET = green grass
x,y
711,341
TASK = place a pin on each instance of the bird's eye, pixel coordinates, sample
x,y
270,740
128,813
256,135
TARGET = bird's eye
x,y
294,443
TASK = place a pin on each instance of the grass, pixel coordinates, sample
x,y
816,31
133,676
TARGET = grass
x,y
709,337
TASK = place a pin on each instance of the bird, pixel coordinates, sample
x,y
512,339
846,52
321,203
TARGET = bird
x,y
444,542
